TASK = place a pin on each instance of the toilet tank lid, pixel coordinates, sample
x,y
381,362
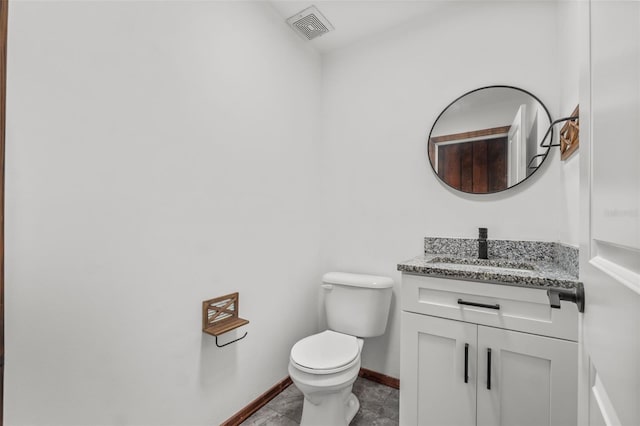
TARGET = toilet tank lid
x,y
357,280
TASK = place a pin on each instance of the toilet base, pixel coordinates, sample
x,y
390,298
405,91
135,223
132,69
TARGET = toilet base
x,y
335,409
353,405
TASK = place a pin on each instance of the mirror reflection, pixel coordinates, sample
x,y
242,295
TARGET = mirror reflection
x,y
486,140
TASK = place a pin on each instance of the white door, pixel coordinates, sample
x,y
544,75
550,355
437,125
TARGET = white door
x,y
610,209
525,379
516,148
432,371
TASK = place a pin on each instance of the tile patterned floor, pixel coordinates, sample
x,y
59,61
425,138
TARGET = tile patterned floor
x,y
378,407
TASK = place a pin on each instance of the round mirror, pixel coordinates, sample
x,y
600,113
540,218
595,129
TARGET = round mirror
x,y
488,140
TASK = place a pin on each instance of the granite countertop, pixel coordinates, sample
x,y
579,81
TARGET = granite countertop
x,y
522,263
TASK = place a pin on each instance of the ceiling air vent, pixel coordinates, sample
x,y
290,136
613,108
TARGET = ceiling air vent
x,y
310,23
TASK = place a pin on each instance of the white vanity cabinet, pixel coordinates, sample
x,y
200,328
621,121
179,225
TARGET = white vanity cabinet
x,y
513,362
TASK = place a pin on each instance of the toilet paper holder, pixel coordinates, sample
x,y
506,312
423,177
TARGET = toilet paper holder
x,y
220,315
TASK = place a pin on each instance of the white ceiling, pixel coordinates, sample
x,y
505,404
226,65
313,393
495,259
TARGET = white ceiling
x,y
354,20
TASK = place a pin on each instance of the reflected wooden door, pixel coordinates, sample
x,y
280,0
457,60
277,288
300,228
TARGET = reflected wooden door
x,y
479,167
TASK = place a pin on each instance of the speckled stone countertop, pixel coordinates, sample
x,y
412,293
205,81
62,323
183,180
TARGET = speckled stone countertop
x,y
519,263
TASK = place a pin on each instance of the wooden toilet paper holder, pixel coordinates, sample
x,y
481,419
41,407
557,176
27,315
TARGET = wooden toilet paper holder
x,y
220,315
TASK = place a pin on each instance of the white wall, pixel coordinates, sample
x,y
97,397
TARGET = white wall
x,y
568,69
381,97
158,154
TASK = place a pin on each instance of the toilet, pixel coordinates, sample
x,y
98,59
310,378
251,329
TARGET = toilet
x,y
325,365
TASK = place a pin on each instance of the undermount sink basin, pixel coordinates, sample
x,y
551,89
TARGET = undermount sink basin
x,y
488,263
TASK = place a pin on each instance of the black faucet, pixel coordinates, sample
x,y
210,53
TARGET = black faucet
x,y
482,243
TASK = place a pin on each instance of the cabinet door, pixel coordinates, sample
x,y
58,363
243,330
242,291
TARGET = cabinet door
x,y
432,371
533,379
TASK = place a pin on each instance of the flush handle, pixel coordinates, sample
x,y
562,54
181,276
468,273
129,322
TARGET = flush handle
x,y
327,286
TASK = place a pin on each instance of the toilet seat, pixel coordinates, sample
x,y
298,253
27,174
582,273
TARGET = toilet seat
x,y
326,353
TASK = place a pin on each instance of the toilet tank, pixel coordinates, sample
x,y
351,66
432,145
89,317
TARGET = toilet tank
x,y
357,304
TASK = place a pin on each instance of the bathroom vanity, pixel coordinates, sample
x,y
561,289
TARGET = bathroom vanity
x,y
488,342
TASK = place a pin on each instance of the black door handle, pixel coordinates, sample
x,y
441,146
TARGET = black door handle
x,y
489,368
466,363
479,305
575,295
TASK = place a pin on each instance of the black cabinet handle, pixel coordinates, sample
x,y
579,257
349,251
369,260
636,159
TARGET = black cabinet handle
x,y
479,305
466,363
489,368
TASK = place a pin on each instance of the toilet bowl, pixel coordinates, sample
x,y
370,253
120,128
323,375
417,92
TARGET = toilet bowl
x,y
325,365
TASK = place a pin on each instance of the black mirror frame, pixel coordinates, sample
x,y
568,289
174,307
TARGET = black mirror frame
x,y
500,86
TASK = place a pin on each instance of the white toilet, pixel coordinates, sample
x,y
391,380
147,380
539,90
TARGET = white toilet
x,y
325,365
